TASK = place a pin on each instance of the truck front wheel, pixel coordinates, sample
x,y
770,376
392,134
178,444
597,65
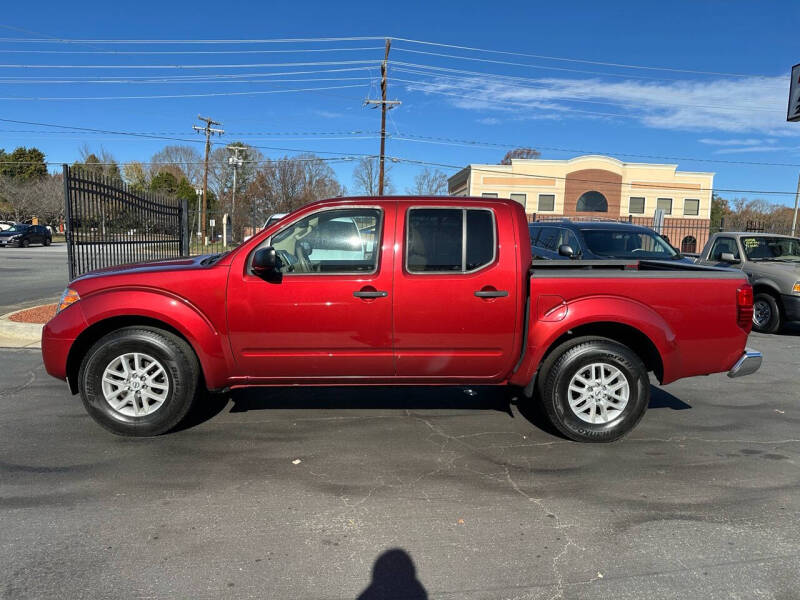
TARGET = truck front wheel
x,y
596,390
766,314
139,381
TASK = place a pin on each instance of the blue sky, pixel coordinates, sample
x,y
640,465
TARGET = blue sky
x,y
721,107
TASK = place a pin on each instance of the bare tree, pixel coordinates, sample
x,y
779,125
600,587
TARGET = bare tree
x,y
181,161
365,177
288,183
42,197
220,171
429,182
100,163
522,152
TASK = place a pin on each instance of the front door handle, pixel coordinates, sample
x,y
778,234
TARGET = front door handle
x,y
491,293
370,294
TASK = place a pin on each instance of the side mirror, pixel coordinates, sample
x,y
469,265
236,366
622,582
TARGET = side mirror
x,y
728,257
266,261
566,250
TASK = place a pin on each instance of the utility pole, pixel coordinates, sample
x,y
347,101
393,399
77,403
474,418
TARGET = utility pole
x,y
796,202
209,131
235,162
385,105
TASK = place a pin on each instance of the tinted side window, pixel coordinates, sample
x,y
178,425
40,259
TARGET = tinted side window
x,y
435,239
569,238
480,239
548,238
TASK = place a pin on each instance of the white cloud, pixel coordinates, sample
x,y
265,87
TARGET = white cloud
x,y
734,142
741,105
759,148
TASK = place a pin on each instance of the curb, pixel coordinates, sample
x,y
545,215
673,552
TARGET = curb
x,y
20,332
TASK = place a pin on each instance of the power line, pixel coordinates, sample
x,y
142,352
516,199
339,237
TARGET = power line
x,y
188,52
214,66
572,60
165,96
198,41
166,135
473,143
560,178
527,65
51,39
196,81
170,78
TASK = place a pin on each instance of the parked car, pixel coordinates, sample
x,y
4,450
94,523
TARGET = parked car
x,y
599,240
6,225
25,235
445,295
274,218
772,264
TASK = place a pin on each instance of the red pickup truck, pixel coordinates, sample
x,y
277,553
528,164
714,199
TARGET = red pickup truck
x,y
398,291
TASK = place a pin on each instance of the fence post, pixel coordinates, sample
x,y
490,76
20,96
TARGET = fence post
x,y
184,225
68,234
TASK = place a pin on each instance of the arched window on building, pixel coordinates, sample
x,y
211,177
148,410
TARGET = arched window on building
x,y
689,244
592,202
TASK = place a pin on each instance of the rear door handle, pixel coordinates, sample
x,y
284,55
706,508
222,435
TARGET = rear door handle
x,y
491,293
375,294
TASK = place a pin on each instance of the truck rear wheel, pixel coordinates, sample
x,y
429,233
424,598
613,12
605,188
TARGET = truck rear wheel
x,y
596,390
139,381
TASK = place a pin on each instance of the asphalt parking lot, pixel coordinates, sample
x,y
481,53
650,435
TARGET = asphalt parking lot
x,y
30,276
300,493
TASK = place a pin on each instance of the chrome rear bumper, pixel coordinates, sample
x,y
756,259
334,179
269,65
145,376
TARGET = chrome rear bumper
x,y
748,364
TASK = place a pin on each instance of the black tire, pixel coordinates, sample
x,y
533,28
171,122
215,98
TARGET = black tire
x,y
766,307
568,360
24,243
47,241
182,372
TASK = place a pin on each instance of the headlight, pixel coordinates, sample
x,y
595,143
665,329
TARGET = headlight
x,y
68,297
796,287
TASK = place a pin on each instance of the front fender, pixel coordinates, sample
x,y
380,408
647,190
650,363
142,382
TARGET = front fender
x,y
542,334
176,312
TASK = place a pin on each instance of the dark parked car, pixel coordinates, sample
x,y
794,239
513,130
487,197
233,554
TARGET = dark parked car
x,y
25,235
599,240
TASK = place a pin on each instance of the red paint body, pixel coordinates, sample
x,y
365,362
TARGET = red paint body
x,y
430,328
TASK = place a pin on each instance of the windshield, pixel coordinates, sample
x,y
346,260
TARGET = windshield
x,y
17,228
628,244
758,248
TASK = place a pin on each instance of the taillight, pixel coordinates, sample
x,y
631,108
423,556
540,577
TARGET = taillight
x,y
744,307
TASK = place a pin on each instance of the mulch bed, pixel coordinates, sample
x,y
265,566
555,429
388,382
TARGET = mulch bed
x,y
37,314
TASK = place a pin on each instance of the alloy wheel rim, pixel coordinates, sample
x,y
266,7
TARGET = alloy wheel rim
x,y
135,384
598,393
761,313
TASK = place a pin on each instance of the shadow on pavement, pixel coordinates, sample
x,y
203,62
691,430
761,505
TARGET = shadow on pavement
x,y
394,576
500,399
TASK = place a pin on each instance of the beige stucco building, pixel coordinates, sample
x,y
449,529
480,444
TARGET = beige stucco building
x,y
599,187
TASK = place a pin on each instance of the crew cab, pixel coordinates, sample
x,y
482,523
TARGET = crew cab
x,y
771,263
396,291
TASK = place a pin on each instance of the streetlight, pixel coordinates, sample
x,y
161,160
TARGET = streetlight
x,y
199,192
236,163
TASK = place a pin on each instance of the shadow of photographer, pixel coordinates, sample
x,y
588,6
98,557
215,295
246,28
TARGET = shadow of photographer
x,y
394,576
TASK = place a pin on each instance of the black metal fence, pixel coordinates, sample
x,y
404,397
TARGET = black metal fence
x,y
108,223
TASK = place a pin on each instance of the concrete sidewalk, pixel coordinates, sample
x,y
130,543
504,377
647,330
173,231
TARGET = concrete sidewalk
x,y
19,335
